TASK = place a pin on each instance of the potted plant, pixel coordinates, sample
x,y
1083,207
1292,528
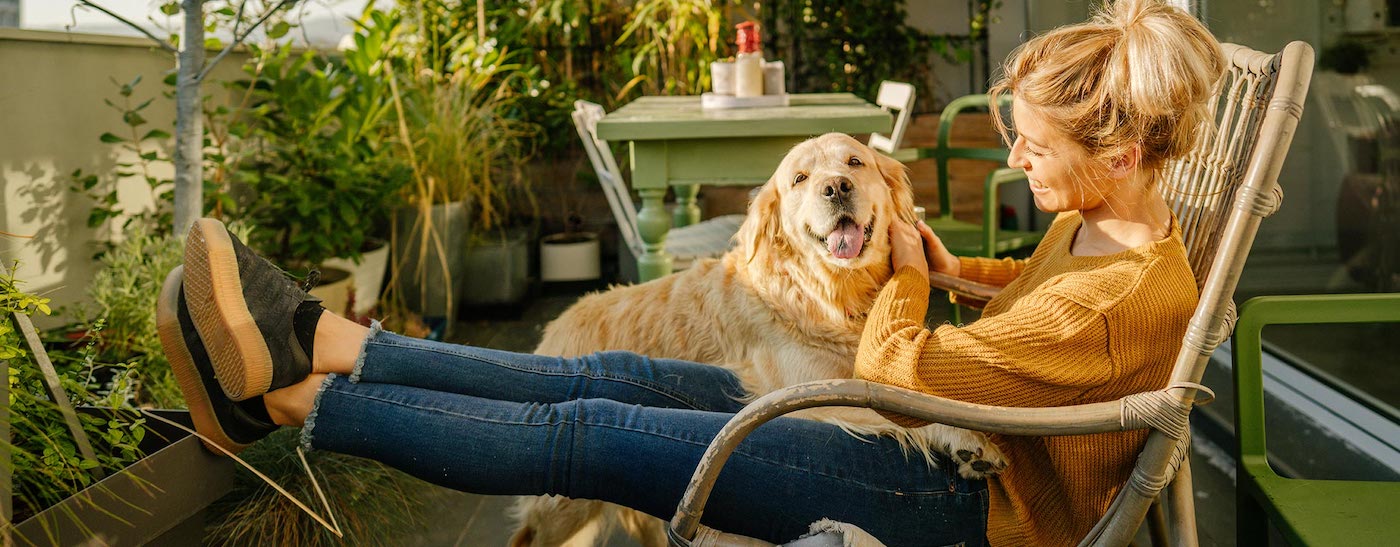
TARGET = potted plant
x,y
573,254
458,97
321,183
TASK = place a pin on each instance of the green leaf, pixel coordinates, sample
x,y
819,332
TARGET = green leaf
x,y
111,139
156,134
170,8
278,30
213,43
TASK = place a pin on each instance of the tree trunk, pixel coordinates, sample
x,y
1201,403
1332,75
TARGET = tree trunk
x,y
189,121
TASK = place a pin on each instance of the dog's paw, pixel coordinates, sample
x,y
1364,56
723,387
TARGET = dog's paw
x,y
976,460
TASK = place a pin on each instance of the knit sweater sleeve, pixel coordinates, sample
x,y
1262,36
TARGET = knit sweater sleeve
x,y
1046,351
990,271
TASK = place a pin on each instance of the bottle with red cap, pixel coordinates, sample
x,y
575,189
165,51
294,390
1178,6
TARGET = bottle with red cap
x,y
748,65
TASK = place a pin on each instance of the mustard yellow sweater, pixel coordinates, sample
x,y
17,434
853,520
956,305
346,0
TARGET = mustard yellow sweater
x,y
1065,330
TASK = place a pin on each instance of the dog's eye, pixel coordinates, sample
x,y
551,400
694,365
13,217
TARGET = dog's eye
x,y
854,161
800,177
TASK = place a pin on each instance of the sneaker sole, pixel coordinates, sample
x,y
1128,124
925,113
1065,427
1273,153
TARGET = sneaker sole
x,y
172,339
214,294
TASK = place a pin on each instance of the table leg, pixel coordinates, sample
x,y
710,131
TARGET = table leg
x,y
687,210
652,224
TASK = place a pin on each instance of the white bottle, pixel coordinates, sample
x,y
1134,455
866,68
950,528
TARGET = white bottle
x,y
748,75
748,64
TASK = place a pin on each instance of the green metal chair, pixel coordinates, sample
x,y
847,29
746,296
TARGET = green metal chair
x,y
1306,512
965,238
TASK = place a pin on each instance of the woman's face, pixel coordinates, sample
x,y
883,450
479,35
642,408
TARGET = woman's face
x,y
1062,175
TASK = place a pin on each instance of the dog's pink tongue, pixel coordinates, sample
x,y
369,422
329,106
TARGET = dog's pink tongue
x,y
846,240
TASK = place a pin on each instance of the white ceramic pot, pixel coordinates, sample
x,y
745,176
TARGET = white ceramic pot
x,y
334,289
570,257
367,276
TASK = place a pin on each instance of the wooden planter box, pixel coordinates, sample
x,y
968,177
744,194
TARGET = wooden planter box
x,y
159,499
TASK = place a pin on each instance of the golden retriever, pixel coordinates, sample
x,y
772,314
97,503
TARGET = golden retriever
x,y
785,305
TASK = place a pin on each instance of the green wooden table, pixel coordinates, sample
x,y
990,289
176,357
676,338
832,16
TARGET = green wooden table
x,y
673,142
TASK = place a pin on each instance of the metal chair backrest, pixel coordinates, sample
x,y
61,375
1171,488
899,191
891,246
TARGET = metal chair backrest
x,y
897,96
586,116
944,151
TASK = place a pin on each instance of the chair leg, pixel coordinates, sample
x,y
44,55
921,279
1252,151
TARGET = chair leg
x,y
1181,504
1251,522
1157,524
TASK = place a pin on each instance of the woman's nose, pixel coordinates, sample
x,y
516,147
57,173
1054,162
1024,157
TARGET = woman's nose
x,y
1017,157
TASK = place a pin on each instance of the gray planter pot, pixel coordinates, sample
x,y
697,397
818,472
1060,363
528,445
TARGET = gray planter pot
x,y
497,269
159,499
419,275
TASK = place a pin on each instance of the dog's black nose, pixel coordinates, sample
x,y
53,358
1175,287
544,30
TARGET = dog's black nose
x,y
837,189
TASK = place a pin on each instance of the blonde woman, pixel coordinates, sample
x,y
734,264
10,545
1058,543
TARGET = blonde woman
x,y
1096,313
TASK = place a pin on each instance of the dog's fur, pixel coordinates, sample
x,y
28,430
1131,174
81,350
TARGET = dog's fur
x,y
778,309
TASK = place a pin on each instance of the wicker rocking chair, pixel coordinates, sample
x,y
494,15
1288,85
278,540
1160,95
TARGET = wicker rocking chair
x,y
1219,192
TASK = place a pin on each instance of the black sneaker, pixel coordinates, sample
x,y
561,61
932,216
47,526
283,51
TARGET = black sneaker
x,y
243,307
229,424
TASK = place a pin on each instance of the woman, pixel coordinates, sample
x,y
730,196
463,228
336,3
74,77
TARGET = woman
x,y
1096,313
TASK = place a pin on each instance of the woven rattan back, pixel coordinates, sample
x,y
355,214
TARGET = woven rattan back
x,y
1200,186
1220,193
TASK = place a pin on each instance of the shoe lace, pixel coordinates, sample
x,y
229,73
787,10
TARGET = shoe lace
x,y
312,279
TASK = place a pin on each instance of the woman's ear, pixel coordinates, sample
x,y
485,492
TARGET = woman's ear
x,y
896,177
763,224
1127,163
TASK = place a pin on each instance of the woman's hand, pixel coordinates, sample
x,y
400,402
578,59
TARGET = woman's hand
x,y
939,259
917,246
907,247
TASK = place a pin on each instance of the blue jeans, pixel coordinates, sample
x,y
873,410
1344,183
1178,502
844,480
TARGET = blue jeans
x,y
627,429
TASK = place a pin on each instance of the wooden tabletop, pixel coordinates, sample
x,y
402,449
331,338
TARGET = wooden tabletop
x,y
663,118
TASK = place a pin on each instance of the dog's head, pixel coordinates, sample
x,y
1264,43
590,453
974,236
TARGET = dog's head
x,y
831,201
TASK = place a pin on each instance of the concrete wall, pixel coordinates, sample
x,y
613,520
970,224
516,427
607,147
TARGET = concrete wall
x,y
52,87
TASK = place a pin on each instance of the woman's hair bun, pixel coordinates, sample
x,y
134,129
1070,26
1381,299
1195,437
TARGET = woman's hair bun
x,y
1138,73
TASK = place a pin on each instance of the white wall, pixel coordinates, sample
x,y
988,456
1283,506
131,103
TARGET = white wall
x,y
51,102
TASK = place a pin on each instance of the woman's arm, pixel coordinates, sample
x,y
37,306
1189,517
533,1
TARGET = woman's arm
x,y
1045,352
990,271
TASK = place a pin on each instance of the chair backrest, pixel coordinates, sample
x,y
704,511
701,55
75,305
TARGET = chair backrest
x,y
1220,192
586,116
944,151
897,96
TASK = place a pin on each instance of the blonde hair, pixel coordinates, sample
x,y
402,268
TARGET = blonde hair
x,y
1138,73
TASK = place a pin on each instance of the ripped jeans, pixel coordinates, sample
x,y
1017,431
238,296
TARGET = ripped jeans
x,y
628,429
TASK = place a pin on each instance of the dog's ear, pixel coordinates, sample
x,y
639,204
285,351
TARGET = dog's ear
x,y
897,179
763,225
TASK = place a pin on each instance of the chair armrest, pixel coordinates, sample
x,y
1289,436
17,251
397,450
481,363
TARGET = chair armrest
x,y
1067,420
990,204
969,293
1248,351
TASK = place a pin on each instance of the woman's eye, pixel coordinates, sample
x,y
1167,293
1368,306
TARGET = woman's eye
x,y
800,177
854,161
1034,153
